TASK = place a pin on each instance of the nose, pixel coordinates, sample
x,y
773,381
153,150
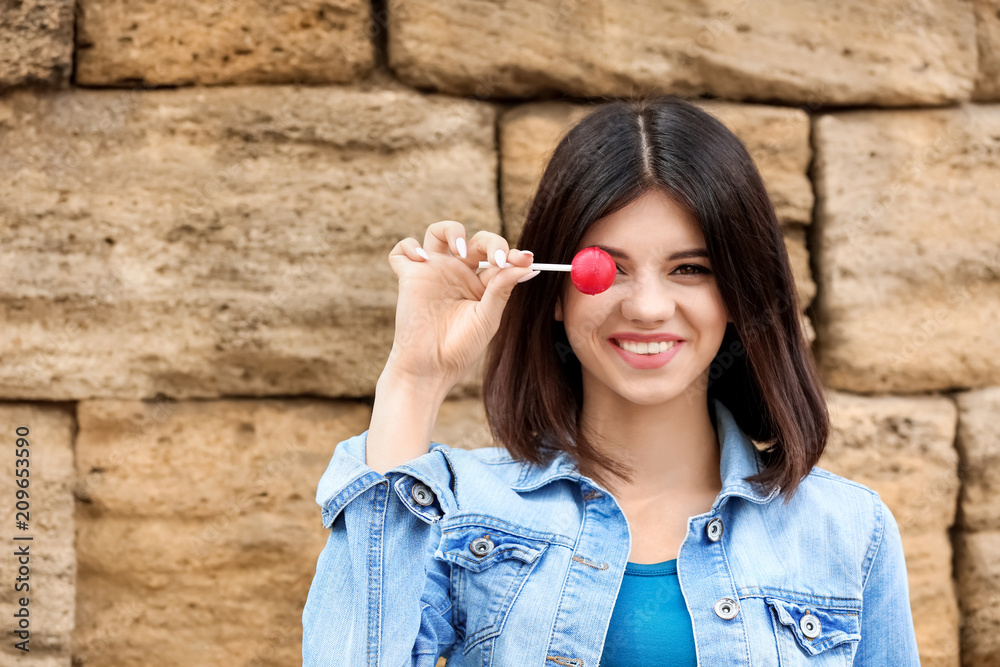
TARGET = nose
x,y
648,299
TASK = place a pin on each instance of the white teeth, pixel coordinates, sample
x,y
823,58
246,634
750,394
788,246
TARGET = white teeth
x,y
646,348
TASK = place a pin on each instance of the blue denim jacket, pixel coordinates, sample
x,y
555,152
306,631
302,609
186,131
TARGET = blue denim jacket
x,y
491,561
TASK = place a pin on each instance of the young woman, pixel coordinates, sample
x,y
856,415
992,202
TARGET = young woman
x,y
655,500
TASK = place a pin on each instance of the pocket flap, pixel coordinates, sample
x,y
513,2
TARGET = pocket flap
x,y
816,628
477,547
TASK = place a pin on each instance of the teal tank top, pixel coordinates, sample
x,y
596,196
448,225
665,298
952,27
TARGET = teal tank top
x,y
650,626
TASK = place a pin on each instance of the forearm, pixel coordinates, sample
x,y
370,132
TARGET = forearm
x,y
403,417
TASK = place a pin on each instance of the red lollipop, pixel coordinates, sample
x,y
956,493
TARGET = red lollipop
x,y
592,270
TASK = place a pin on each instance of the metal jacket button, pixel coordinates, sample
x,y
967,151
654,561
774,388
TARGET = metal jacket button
x,y
810,625
727,608
421,494
714,529
481,546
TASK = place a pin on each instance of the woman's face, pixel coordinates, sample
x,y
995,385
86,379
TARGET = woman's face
x,y
653,334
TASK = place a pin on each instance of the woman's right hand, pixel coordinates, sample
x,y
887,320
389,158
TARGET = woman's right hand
x,y
447,313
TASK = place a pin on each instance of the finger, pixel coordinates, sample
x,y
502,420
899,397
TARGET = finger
x,y
498,292
518,257
490,247
446,236
406,250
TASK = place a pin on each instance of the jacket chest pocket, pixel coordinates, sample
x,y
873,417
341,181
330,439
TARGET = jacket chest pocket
x,y
489,568
811,635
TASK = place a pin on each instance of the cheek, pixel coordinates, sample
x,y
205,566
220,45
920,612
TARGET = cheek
x,y
719,306
710,316
584,316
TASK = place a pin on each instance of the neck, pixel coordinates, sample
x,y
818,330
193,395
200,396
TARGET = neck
x,y
672,448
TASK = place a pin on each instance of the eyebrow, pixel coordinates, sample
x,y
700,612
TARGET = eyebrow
x,y
683,254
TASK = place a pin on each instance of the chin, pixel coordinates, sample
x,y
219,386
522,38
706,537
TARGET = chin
x,y
645,391
650,397
646,401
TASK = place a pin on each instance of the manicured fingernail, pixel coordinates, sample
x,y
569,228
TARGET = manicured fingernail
x,y
528,276
422,253
460,244
528,252
501,257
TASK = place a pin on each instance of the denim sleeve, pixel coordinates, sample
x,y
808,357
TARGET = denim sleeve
x,y
378,596
887,636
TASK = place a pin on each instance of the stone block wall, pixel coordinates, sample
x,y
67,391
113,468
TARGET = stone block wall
x,y
196,202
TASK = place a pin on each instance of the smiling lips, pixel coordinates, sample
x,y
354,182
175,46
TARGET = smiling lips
x,y
647,351
646,348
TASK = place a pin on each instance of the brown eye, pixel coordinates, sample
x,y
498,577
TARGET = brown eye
x,y
698,269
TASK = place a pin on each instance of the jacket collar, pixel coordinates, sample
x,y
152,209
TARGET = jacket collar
x,y
738,459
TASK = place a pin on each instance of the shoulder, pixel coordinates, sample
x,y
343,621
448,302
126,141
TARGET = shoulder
x,y
830,504
488,455
822,481
838,492
489,482
822,487
484,461
832,526
823,491
827,504
489,466
498,463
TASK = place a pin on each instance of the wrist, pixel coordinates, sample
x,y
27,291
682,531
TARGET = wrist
x,y
403,418
416,390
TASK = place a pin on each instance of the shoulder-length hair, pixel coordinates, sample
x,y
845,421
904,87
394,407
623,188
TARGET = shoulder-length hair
x,y
764,372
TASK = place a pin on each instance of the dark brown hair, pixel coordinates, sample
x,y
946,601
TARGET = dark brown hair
x,y
763,373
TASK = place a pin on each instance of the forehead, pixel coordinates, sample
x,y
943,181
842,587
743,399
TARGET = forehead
x,y
651,221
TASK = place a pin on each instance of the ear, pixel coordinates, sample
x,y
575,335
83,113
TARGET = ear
x,y
559,313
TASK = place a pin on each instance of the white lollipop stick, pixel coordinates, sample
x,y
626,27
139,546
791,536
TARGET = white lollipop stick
x,y
595,272
535,266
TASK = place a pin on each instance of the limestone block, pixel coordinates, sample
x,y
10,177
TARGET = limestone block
x,y
36,42
979,450
45,660
123,42
798,257
198,531
528,135
807,328
903,449
232,242
51,563
908,245
978,570
988,29
776,138
889,53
